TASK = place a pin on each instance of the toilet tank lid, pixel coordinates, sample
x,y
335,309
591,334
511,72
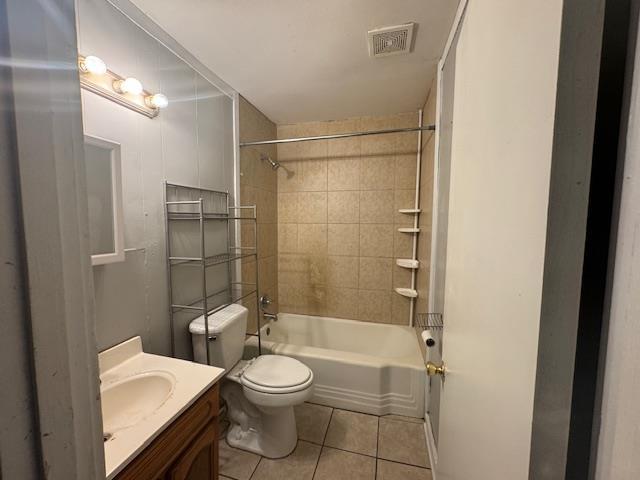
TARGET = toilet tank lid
x,y
219,320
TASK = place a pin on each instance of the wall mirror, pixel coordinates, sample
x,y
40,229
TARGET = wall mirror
x,y
104,193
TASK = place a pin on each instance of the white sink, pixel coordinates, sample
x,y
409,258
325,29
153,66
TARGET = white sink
x,y
130,400
141,395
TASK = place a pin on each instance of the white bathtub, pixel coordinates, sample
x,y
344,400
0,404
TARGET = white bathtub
x,y
361,366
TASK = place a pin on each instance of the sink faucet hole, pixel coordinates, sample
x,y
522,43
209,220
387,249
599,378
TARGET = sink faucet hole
x,y
106,437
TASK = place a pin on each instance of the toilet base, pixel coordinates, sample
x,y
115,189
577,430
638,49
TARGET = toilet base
x,y
272,435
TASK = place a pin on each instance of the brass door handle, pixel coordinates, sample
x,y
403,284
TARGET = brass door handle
x,y
433,369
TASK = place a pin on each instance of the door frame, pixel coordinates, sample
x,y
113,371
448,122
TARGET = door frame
x,y
576,100
58,320
455,27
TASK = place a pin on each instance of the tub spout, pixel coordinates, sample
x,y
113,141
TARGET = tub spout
x,y
270,316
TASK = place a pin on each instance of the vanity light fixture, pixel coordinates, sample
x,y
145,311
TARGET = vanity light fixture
x,y
128,85
92,64
158,100
126,91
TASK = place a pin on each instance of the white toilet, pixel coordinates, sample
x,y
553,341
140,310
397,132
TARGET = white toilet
x,y
260,393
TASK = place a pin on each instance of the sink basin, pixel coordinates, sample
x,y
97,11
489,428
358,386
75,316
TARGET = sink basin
x,y
130,400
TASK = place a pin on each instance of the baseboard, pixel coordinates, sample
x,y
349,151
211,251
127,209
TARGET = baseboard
x,y
431,447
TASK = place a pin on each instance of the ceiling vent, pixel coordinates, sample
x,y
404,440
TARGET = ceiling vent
x,y
393,40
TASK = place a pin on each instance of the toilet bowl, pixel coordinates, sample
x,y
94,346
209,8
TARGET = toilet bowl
x,y
260,393
260,396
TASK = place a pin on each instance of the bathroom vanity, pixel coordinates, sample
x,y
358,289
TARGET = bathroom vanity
x,y
159,415
186,450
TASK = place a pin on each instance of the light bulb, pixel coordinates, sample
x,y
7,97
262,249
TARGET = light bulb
x,y
93,64
158,100
128,85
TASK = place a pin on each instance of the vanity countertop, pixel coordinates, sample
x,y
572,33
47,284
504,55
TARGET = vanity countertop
x,y
142,394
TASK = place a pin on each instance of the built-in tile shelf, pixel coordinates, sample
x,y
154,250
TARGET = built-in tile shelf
x,y
407,292
410,211
407,263
409,230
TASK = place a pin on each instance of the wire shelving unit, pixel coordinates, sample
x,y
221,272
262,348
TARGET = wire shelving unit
x,y
202,207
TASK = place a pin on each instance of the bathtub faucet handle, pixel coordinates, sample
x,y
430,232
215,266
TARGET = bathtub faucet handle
x,y
265,301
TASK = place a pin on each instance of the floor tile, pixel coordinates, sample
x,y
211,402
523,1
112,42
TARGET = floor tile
x,y
312,421
402,442
340,465
300,465
235,463
398,471
222,477
402,418
355,432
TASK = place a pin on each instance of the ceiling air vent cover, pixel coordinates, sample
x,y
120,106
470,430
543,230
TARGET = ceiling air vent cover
x,y
387,41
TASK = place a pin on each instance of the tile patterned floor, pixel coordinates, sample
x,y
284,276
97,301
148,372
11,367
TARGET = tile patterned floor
x,y
338,444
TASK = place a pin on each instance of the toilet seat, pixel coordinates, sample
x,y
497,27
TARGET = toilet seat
x,y
276,374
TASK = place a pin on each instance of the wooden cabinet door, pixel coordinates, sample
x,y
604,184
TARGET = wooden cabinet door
x,y
200,460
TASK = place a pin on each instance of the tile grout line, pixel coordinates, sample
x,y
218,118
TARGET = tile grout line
x,y
322,446
375,475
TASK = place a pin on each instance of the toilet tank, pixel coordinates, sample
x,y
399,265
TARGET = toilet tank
x,y
227,330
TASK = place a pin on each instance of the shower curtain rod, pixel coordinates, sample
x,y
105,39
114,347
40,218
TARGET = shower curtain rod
x,y
337,135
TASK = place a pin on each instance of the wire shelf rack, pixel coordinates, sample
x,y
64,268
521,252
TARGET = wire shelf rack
x,y
183,202
429,321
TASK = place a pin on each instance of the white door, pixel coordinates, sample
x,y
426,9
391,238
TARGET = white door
x,y
505,84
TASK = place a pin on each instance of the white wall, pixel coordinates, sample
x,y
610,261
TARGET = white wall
x,y
619,442
190,142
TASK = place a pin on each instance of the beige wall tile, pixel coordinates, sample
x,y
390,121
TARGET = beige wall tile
x,y
289,176
376,206
317,268
401,277
375,273
291,298
314,175
248,195
342,302
287,207
400,309
312,239
404,199
343,239
377,173
403,244
343,173
267,206
293,269
267,239
263,175
337,237
345,147
247,167
405,171
376,240
315,299
342,271
312,207
248,270
344,207
374,306
287,238
258,187
268,274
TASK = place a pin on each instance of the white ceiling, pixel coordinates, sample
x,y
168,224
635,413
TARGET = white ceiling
x,y
303,60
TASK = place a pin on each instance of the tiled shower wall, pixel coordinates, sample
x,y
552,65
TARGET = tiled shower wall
x,y
258,186
338,217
